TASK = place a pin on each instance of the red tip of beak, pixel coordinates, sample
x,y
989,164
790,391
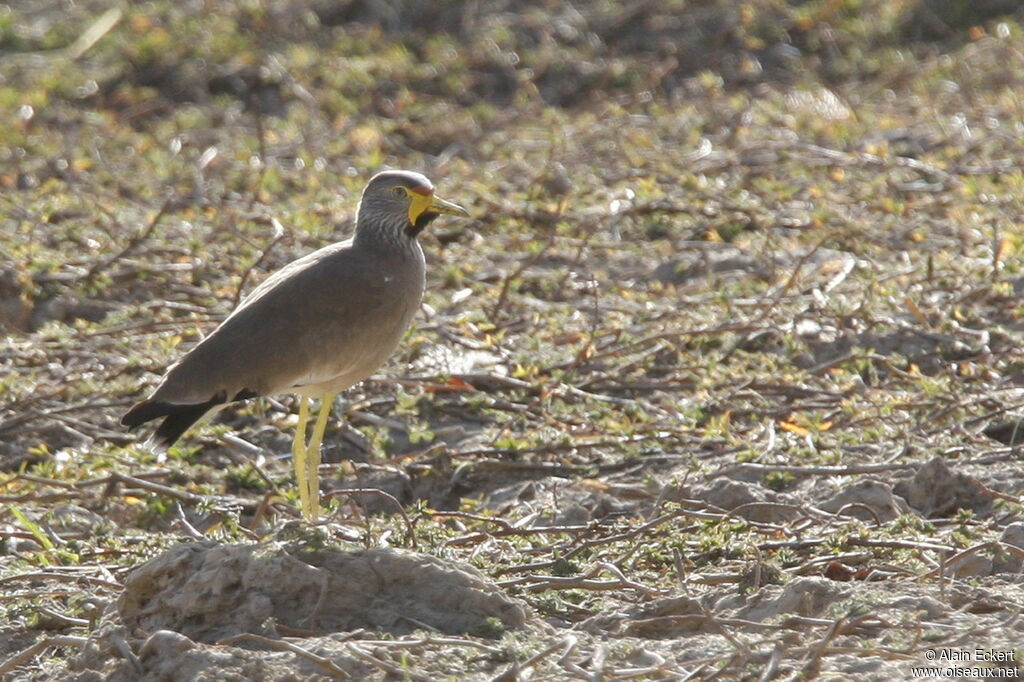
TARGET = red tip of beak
x,y
425,191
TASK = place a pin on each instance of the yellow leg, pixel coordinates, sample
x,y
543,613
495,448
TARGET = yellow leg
x,y
300,456
313,452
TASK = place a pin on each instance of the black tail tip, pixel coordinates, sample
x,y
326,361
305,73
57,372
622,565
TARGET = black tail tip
x,y
177,418
145,411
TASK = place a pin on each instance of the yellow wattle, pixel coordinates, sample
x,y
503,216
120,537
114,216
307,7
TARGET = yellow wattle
x,y
417,205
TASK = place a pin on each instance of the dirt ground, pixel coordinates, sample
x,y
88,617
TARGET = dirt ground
x,y
723,379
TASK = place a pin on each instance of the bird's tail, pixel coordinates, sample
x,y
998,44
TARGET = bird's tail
x,y
177,418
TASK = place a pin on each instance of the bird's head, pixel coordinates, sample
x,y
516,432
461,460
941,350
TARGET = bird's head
x,y
403,201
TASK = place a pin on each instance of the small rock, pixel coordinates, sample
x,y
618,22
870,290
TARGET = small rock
x,y
802,597
973,566
660,619
1008,562
165,644
729,495
936,491
876,496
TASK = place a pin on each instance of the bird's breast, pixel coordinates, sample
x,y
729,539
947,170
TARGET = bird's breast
x,y
364,342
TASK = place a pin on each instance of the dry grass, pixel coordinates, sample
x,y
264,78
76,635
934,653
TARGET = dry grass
x,y
723,380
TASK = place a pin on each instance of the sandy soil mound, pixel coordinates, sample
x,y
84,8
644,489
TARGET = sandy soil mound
x,y
197,611
209,591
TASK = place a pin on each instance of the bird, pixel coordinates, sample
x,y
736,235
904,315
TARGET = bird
x,y
314,328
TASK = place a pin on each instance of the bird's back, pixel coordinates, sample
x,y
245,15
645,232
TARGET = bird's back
x,y
326,321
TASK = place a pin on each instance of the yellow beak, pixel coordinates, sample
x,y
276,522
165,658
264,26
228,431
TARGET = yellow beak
x,y
428,203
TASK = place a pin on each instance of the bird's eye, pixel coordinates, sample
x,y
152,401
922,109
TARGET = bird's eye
x,y
400,192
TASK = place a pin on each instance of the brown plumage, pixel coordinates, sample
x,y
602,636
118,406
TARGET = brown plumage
x,y
317,326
